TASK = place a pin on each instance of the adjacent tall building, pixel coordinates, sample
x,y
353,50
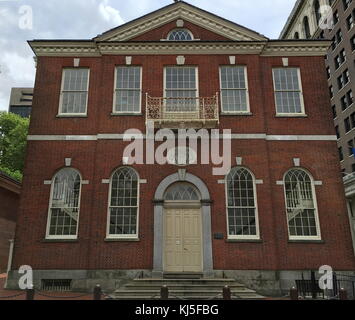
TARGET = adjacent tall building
x,y
21,101
89,215
306,22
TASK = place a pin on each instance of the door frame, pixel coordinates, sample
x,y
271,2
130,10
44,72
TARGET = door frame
x,y
182,176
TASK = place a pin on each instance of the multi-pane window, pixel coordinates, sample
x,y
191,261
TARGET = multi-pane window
x,y
335,17
352,42
302,217
347,100
352,119
124,203
343,79
347,124
234,89
64,205
180,35
74,91
128,90
181,89
328,73
340,59
306,28
241,204
341,155
182,192
337,132
317,11
350,21
288,91
351,147
339,36
346,4
334,111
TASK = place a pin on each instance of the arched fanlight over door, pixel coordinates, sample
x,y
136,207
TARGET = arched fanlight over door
x,y
182,192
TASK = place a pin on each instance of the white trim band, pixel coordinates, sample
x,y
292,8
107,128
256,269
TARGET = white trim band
x,y
233,137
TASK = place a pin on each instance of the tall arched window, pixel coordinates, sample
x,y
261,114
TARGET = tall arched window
x,y
296,36
241,204
306,29
302,216
317,12
180,35
124,204
64,205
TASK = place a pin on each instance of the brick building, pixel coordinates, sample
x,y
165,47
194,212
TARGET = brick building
x,y
88,216
9,200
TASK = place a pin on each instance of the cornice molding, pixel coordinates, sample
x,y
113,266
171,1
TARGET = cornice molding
x,y
96,49
186,12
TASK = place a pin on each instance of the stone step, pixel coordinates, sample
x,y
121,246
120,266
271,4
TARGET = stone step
x,y
183,289
186,298
192,281
172,286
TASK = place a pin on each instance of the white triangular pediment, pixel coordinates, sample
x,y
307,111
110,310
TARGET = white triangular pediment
x,y
186,12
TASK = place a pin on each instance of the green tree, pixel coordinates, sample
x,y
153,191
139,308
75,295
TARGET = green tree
x,y
13,134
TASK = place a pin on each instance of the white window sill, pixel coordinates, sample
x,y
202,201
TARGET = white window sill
x,y
246,240
72,116
115,114
291,115
236,114
305,240
50,239
111,239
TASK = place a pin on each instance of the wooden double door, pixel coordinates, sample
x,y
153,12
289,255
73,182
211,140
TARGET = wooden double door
x,y
182,240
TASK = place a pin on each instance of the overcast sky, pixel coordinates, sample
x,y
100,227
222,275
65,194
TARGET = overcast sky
x,y
84,19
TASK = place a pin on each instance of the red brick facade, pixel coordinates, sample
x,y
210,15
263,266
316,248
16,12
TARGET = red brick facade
x,y
9,202
268,160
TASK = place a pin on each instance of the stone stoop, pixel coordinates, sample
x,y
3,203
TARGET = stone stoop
x,y
183,289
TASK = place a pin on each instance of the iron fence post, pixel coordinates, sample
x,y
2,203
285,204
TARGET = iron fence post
x,y
97,292
227,295
343,294
30,293
164,293
293,293
313,285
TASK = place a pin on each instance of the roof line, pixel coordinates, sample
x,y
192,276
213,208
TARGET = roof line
x,y
7,177
291,17
172,5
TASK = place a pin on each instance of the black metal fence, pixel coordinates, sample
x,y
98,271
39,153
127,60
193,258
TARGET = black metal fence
x,y
342,283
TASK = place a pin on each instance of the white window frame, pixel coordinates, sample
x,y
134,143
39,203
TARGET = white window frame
x,y
60,113
114,111
303,112
177,29
316,213
197,89
122,236
243,237
49,215
246,89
